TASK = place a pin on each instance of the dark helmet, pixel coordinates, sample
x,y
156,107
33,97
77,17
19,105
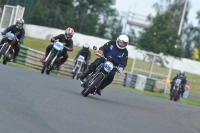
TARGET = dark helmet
x,y
20,21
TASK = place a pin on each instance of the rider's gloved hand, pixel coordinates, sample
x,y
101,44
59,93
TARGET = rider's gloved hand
x,y
69,49
121,70
3,33
19,43
99,53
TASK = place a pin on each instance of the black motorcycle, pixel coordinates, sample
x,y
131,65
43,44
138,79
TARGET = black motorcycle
x,y
176,91
94,79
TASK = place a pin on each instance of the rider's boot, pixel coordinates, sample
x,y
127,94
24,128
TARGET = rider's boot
x,y
15,59
85,73
45,56
99,91
59,65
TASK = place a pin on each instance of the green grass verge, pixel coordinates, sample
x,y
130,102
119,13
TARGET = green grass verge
x,y
41,45
159,95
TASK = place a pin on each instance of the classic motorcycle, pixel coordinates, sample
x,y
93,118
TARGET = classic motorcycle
x,y
94,79
176,91
53,58
79,67
7,50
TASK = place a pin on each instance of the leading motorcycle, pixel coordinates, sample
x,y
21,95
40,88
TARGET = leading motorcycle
x,y
94,79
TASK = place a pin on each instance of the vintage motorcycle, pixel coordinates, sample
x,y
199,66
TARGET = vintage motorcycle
x,y
94,79
79,67
53,58
176,91
7,50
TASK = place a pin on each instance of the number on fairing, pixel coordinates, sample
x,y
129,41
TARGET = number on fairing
x,y
81,58
11,36
108,66
58,46
178,81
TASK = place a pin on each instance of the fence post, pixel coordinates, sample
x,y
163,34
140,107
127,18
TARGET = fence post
x,y
133,64
169,74
152,66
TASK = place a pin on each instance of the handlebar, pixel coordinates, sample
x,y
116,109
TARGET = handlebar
x,y
63,44
8,33
117,67
3,35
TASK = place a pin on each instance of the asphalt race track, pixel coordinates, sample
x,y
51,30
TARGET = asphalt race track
x,y
34,103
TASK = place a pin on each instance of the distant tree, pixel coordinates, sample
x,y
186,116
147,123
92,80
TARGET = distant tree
x,y
188,37
132,37
2,3
161,37
88,17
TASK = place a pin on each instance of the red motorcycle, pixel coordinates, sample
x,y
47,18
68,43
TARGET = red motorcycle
x,y
176,91
7,50
79,67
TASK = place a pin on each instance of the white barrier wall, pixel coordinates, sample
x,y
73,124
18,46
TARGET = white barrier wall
x,y
46,33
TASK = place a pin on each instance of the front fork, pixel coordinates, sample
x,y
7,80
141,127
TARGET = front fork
x,y
54,58
48,55
7,49
96,74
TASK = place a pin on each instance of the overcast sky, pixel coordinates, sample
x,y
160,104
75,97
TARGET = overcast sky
x,y
144,7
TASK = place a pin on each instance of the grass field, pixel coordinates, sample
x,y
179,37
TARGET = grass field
x,y
159,95
192,78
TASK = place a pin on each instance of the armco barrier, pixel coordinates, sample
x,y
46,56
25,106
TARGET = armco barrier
x,y
149,83
31,57
133,81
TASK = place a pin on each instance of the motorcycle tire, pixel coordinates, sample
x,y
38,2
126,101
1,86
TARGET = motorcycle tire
x,y
91,87
173,95
75,76
4,62
3,51
47,63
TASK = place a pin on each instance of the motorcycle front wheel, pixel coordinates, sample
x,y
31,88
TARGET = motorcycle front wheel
x,y
92,85
75,73
3,49
47,63
174,95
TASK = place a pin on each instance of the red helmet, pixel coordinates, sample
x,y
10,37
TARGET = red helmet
x,y
69,32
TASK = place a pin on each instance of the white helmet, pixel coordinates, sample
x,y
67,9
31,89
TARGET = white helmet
x,y
123,39
182,72
86,46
